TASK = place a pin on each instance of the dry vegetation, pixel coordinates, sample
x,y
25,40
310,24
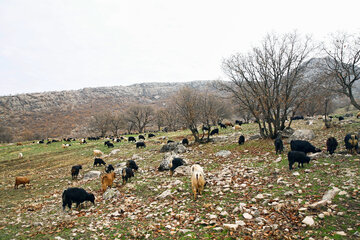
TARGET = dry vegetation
x,y
250,180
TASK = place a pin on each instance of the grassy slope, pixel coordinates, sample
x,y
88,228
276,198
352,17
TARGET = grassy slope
x,y
36,211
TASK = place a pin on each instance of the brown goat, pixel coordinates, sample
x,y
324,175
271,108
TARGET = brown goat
x,y
21,180
107,181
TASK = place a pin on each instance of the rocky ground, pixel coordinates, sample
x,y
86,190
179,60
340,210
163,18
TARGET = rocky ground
x,y
251,193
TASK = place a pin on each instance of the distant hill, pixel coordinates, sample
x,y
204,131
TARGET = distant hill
x,y
57,113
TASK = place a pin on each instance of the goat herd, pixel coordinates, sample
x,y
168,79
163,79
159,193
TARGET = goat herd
x,y
299,149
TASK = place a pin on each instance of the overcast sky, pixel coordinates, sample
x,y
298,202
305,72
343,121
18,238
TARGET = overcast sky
x,y
57,45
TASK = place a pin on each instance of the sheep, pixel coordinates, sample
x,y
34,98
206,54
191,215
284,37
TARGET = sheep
x,y
20,155
99,161
106,142
222,125
299,157
107,181
185,141
98,153
141,137
140,145
41,141
241,140
229,124
21,180
65,145
48,142
126,173
76,195
75,171
83,141
197,179
110,145
214,131
351,143
109,168
331,145
132,164
176,162
150,135
279,146
131,139
341,118
303,146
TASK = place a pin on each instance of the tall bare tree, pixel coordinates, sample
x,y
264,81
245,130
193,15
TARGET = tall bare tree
x,y
5,134
116,121
139,116
268,80
186,103
100,123
342,64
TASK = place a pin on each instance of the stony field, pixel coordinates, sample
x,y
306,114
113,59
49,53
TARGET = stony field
x,y
251,193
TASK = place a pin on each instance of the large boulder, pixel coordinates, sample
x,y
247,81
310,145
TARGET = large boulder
x,y
168,147
287,132
164,165
111,193
180,148
254,137
92,174
182,171
303,134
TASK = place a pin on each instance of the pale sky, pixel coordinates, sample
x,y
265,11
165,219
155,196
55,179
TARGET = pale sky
x,y
61,45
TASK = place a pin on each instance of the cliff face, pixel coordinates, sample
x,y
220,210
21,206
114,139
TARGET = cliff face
x,y
58,113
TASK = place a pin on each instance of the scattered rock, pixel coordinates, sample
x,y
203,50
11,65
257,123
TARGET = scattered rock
x,y
296,174
92,174
168,147
223,153
232,227
247,216
341,233
308,220
180,148
110,193
182,171
289,193
254,137
165,194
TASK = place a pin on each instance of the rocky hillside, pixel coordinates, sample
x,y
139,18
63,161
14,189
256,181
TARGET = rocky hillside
x,y
57,113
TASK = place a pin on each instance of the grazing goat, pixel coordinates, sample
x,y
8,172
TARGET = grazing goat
x,y
83,141
222,125
76,195
75,171
241,140
141,137
126,173
98,153
303,146
299,157
132,164
341,118
197,179
238,122
351,143
214,131
107,181
21,180
131,139
237,127
176,162
150,135
140,145
205,128
185,141
300,117
41,142
358,115
109,168
279,146
110,145
99,161
331,145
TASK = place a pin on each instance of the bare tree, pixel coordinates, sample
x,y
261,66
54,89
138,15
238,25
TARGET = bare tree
x,y
343,58
116,121
100,123
167,117
139,116
268,80
186,102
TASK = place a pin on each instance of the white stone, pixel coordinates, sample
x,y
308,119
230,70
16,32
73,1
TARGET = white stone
x,y
289,193
302,134
231,226
259,196
240,223
321,216
212,216
308,220
92,174
223,153
342,193
296,174
341,233
247,216
165,194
